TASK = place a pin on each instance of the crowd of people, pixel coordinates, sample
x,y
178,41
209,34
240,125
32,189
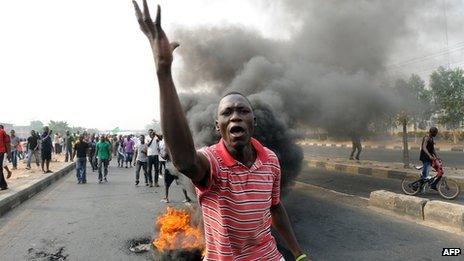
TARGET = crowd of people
x,y
146,154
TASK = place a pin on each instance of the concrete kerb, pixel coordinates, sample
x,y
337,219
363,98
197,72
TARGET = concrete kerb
x,y
376,172
28,190
448,216
410,206
445,214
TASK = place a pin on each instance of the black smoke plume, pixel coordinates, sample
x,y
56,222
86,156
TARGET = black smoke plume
x,y
328,74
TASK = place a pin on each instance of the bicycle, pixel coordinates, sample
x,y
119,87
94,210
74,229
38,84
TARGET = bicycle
x,y
447,188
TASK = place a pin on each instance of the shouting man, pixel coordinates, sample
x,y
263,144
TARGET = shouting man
x,y
237,180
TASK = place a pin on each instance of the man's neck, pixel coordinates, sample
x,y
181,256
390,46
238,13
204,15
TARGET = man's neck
x,y
245,155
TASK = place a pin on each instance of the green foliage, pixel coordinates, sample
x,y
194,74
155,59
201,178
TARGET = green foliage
x,y
414,100
59,127
448,89
36,125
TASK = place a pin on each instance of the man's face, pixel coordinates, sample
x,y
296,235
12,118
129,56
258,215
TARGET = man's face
x,y
235,120
32,133
142,138
434,133
46,130
12,133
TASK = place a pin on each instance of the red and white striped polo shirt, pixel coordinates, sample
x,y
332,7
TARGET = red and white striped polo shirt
x,y
236,202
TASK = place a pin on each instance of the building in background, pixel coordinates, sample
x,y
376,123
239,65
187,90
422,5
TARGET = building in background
x,y
7,126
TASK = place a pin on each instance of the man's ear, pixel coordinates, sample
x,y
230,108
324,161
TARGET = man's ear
x,y
216,123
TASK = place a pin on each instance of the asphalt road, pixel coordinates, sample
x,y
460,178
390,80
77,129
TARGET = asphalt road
x,y
96,221
450,158
360,185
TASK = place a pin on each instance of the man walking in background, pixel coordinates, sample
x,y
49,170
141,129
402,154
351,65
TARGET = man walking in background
x,y
153,157
92,148
68,142
32,149
141,162
103,152
80,150
162,151
129,150
57,143
14,143
4,149
356,141
46,150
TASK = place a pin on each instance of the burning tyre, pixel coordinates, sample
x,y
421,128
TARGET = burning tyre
x,y
179,237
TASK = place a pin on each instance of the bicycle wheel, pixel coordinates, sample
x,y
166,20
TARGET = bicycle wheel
x,y
448,189
411,185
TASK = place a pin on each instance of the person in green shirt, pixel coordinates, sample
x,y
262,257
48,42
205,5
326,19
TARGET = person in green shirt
x,y
69,140
103,152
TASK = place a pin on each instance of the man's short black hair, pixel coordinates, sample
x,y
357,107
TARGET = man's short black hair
x,y
1,126
433,130
236,93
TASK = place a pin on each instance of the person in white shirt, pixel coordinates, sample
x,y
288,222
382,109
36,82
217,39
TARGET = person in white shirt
x,y
141,160
162,151
153,157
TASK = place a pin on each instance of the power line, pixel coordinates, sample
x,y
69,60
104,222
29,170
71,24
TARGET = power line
x,y
457,47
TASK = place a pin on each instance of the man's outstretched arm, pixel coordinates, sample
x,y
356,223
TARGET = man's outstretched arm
x,y
178,138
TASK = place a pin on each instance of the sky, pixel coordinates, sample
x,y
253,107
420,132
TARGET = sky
x,y
86,61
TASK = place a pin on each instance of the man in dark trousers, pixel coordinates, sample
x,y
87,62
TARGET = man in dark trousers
x,y
103,152
92,148
153,157
68,141
356,141
81,149
4,150
14,142
32,149
428,153
218,171
46,149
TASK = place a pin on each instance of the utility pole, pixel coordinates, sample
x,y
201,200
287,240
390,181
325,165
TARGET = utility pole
x,y
448,65
404,122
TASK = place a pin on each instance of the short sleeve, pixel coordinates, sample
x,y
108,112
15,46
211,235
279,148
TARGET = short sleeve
x,y
276,185
205,185
6,138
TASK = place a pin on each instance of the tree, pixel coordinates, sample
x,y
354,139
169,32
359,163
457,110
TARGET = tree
x,y
403,118
414,106
59,126
423,99
36,125
448,89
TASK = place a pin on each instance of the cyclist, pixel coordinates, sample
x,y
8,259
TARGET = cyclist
x,y
428,153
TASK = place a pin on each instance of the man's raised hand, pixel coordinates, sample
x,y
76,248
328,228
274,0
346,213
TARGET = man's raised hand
x,y
162,49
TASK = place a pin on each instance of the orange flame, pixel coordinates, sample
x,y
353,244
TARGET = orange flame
x,y
176,232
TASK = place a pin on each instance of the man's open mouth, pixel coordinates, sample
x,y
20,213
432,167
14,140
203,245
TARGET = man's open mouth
x,y
237,131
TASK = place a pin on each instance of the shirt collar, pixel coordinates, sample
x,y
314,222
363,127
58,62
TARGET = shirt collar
x,y
230,161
